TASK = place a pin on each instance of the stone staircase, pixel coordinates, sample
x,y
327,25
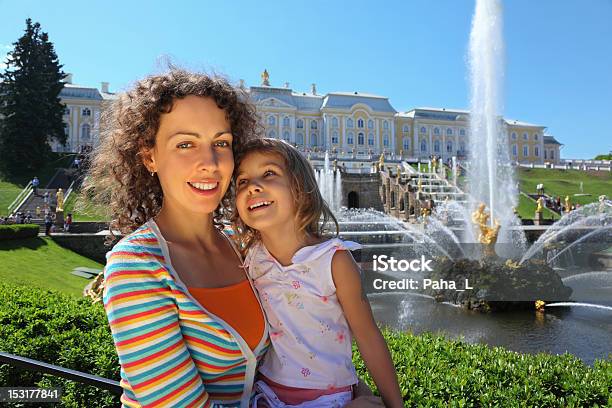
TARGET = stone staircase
x,y
62,179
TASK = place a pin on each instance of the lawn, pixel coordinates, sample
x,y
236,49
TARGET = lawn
x,y
89,212
567,182
40,262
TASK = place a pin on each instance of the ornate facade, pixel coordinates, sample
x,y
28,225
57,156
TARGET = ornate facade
x,y
368,124
342,121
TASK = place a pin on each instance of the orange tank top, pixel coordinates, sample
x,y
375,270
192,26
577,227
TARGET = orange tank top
x,y
230,303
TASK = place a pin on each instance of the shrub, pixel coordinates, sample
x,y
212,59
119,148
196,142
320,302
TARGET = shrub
x,y
57,329
18,231
433,371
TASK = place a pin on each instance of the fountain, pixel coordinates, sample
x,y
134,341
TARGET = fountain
x,y
481,240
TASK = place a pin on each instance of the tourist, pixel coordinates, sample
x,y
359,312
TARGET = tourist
x,y
67,222
46,198
48,223
279,208
35,184
164,167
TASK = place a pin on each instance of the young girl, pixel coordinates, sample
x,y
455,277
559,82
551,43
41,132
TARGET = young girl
x,y
310,288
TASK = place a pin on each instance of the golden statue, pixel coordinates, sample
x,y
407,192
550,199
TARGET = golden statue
x,y
488,234
540,207
60,200
265,78
568,207
381,162
434,164
95,288
425,212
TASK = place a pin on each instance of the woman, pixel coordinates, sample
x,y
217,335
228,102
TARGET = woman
x,y
186,323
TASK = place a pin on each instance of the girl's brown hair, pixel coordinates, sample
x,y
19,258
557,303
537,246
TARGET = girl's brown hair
x,y
118,180
307,200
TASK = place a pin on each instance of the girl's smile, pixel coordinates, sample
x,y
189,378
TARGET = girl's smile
x,y
263,193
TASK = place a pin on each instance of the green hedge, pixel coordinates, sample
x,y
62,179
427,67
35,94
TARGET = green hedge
x,y
18,231
58,329
433,371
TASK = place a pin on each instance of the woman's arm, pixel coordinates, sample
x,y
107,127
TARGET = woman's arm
x,y
370,341
143,318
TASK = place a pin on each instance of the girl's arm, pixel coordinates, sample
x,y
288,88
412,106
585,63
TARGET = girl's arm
x,y
370,341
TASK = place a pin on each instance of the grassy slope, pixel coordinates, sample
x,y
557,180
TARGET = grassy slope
x,y
88,213
567,182
10,189
40,262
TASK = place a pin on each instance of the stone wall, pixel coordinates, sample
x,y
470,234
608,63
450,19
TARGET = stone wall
x,y
365,187
91,246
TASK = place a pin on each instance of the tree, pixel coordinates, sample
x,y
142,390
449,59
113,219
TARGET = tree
x,y
30,107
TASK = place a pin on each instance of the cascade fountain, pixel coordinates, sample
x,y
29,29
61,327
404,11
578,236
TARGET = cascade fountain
x,y
562,254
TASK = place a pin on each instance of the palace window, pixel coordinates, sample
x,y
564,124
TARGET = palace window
x,y
286,121
370,140
370,124
552,154
525,151
449,146
349,123
360,138
313,124
545,154
436,131
437,146
349,138
513,136
360,123
86,112
85,132
271,120
525,136
272,134
406,144
335,138
67,111
423,146
423,130
514,150
535,137
449,131
300,124
462,132
334,122
313,139
536,151
386,140
462,147
405,129
300,139
386,125
286,136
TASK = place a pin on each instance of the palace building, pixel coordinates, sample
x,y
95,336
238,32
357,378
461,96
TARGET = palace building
x,y
352,122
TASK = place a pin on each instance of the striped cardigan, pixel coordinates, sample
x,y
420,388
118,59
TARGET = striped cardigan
x,y
173,353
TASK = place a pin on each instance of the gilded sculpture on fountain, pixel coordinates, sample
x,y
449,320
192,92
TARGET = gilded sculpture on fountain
x,y
488,234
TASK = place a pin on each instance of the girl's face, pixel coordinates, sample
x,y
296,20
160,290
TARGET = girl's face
x,y
263,192
193,155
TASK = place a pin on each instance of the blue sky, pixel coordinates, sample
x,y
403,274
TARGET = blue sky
x,y
558,53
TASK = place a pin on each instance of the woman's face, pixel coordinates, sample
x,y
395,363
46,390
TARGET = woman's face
x,y
193,155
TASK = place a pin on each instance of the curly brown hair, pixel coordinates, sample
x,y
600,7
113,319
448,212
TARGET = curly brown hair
x,y
118,179
313,215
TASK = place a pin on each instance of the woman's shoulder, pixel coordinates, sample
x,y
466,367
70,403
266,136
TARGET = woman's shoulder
x,y
142,246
